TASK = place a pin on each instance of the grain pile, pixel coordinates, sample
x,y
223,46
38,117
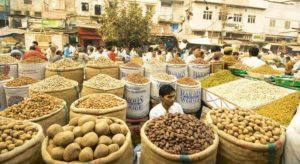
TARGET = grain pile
x,y
53,83
21,81
105,82
198,61
101,101
187,81
7,59
101,61
218,78
3,77
163,76
265,69
239,65
136,78
176,60
131,64
33,59
64,63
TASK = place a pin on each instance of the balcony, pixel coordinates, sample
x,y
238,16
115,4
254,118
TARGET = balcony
x,y
171,18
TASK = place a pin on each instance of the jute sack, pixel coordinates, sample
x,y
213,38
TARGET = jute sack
x,y
3,104
87,90
14,95
123,156
75,74
234,151
93,70
28,153
151,154
118,112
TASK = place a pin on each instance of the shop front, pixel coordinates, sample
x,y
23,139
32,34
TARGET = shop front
x,y
89,36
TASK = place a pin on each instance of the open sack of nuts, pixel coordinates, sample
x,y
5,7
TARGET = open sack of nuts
x,y
104,140
247,137
178,138
100,104
20,141
101,66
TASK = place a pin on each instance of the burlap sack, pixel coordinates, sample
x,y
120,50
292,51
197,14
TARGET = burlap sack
x,y
92,70
86,90
28,153
118,112
123,156
234,151
151,154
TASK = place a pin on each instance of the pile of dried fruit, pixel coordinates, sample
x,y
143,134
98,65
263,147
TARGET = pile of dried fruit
x,y
64,63
20,81
163,76
3,77
176,60
53,83
101,101
199,61
136,78
7,59
14,134
103,81
33,59
187,81
35,106
131,64
246,125
179,133
281,110
239,65
100,61
218,78
266,69
85,139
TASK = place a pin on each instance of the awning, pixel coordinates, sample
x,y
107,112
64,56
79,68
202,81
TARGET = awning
x,y
233,42
8,40
94,26
88,33
201,41
10,31
295,48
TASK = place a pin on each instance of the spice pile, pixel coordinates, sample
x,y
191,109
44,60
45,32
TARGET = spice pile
x,y
131,64
179,134
3,77
14,134
265,69
53,83
187,81
101,101
85,139
163,76
250,94
136,78
6,59
35,106
103,81
281,110
21,81
176,61
199,61
239,65
64,63
33,59
246,125
101,61
218,78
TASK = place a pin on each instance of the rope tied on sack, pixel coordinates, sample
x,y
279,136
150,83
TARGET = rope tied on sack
x,y
66,113
272,153
184,159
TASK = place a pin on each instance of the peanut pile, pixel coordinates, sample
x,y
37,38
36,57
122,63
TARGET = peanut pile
x,y
179,134
64,63
101,101
3,77
103,81
136,78
6,59
20,81
176,60
131,64
101,61
163,76
33,59
187,81
35,106
53,83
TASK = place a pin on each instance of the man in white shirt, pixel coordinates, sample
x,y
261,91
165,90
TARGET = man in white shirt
x,y
253,60
168,105
169,55
196,53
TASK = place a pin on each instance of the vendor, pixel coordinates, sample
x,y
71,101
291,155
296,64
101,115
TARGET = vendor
x,y
253,60
33,52
196,54
289,65
168,105
228,57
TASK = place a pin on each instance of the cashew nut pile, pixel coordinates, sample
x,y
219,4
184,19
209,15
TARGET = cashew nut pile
x,y
53,83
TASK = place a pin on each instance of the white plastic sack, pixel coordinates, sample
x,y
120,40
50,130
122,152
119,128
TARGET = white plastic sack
x,y
33,70
138,99
124,71
12,69
197,71
291,150
178,70
151,69
3,104
14,95
156,84
189,97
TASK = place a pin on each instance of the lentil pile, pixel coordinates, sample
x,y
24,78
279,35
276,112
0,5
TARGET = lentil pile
x,y
176,61
14,134
239,65
35,106
265,69
131,64
21,81
53,83
101,101
246,125
281,110
33,59
64,63
5,59
199,61
187,81
101,61
136,78
163,76
179,134
105,82
218,78
3,77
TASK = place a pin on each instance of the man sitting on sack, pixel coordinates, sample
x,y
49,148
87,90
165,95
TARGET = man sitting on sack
x,y
168,105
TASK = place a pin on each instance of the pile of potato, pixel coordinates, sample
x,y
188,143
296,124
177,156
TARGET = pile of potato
x,y
246,125
14,134
85,139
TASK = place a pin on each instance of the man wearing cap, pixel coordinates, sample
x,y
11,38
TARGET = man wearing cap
x,y
228,57
253,60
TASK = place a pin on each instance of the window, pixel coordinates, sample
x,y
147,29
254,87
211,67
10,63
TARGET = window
x,y
222,16
207,15
272,22
287,24
251,18
237,18
27,13
37,14
28,2
97,9
84,6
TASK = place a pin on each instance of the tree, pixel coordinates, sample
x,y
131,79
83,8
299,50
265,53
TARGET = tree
x,y
125,24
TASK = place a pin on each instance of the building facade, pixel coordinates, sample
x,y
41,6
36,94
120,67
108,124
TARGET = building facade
x,y
4,12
